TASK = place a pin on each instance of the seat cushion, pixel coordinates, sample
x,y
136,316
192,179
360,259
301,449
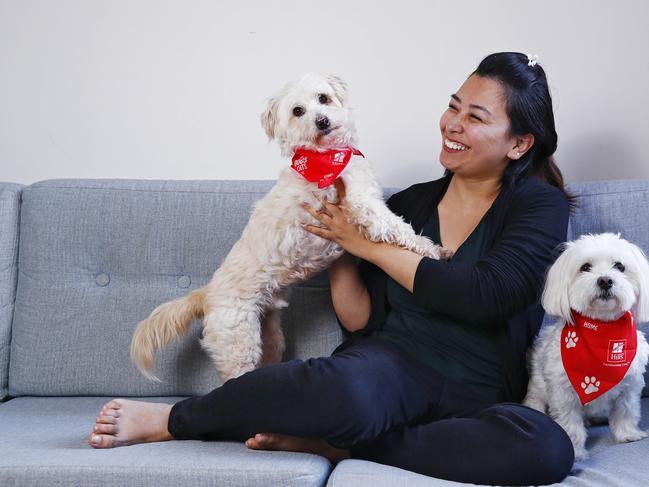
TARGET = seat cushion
x,y
609,464
44,443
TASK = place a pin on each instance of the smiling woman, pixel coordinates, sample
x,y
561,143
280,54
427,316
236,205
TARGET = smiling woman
x,y
476,130
428,377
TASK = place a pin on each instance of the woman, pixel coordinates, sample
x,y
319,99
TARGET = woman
x,y
434,361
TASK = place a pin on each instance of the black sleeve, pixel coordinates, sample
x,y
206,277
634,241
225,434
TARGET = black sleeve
x,y
510,277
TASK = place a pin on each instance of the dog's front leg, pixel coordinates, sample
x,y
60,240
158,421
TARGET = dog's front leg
x,y
365,207
564,407
625,414
536,390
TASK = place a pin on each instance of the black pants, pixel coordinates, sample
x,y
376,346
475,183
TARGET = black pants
x,y
384,406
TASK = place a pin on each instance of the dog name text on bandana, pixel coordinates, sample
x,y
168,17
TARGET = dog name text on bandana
x,y
322,167
597,354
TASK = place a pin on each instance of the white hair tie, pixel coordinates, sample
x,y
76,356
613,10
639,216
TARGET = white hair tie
x,y
533,59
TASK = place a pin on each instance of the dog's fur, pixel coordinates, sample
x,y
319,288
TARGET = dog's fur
x,y
567,286
241,304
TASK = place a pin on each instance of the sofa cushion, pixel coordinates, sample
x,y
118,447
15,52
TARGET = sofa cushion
x,y
610,464
612,206
96,257
44,443
9,233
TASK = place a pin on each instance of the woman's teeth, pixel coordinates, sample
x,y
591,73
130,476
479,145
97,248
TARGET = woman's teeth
x,y
454,145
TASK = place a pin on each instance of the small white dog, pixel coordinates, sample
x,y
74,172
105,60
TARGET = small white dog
x,y
583,366
240,306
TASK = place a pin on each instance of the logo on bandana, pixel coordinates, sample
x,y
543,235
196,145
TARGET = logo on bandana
x,y
617,351
300,164
339,158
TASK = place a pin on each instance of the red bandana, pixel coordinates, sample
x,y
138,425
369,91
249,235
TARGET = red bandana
x,y
323,167
597,354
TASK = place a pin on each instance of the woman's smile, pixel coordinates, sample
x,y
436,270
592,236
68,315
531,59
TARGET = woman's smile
x,y
454,146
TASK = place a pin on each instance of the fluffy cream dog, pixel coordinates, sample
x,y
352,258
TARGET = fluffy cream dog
x,y
240,306
600,278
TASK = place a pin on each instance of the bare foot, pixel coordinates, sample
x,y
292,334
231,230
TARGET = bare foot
x,y
276,441
124,422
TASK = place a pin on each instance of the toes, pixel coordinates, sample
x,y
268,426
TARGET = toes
x,y
111,407
265,440
107,419
113,413
113,404
253,444
261,442
109,429
102,441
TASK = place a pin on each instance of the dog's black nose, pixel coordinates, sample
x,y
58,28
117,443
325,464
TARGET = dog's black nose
x,y
605,283
322,123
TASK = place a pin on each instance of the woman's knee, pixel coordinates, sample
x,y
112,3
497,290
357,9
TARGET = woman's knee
x,y
539,446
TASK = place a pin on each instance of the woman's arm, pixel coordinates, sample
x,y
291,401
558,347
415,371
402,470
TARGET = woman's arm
x,y
507,280
510,277
400,264
349,294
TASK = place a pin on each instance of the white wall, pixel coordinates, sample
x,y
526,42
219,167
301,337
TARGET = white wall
x,y
173,89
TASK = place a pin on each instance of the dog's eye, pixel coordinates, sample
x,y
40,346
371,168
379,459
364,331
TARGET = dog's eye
x,y
619,266
324,99
586,267
298,111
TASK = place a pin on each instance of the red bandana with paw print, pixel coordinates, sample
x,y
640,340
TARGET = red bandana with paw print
x,y
597,354
322,167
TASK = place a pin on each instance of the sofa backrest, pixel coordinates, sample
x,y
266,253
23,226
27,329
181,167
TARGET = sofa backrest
x,y
612,206
9,226
96,256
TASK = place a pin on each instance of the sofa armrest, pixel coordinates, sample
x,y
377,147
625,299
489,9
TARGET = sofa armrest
x,y
10,196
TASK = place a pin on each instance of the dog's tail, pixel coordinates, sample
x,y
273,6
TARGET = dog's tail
x,y
166,323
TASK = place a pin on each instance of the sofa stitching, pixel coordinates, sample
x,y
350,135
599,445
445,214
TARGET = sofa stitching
x,y
161,190
580,195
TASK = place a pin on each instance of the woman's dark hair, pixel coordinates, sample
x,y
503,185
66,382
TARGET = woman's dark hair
x,y
529,108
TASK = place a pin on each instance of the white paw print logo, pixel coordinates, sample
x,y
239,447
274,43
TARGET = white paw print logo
x,y
590,384
571,339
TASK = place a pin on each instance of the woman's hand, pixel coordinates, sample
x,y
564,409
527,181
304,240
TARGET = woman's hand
x,y
399,263
335,227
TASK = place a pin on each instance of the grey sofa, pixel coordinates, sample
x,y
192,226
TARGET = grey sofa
x,y
83,261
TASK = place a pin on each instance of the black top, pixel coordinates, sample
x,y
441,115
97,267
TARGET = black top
x,y
499,293
455,349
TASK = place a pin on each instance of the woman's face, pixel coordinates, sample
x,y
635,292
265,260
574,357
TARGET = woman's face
x,y
475,130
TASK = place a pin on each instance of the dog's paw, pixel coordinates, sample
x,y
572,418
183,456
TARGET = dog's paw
x,y
580,454
629,434
535,403
445,254
426,247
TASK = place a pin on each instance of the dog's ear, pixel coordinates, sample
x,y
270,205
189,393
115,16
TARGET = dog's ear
x,y
269,118
339,87
555,300
642,266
